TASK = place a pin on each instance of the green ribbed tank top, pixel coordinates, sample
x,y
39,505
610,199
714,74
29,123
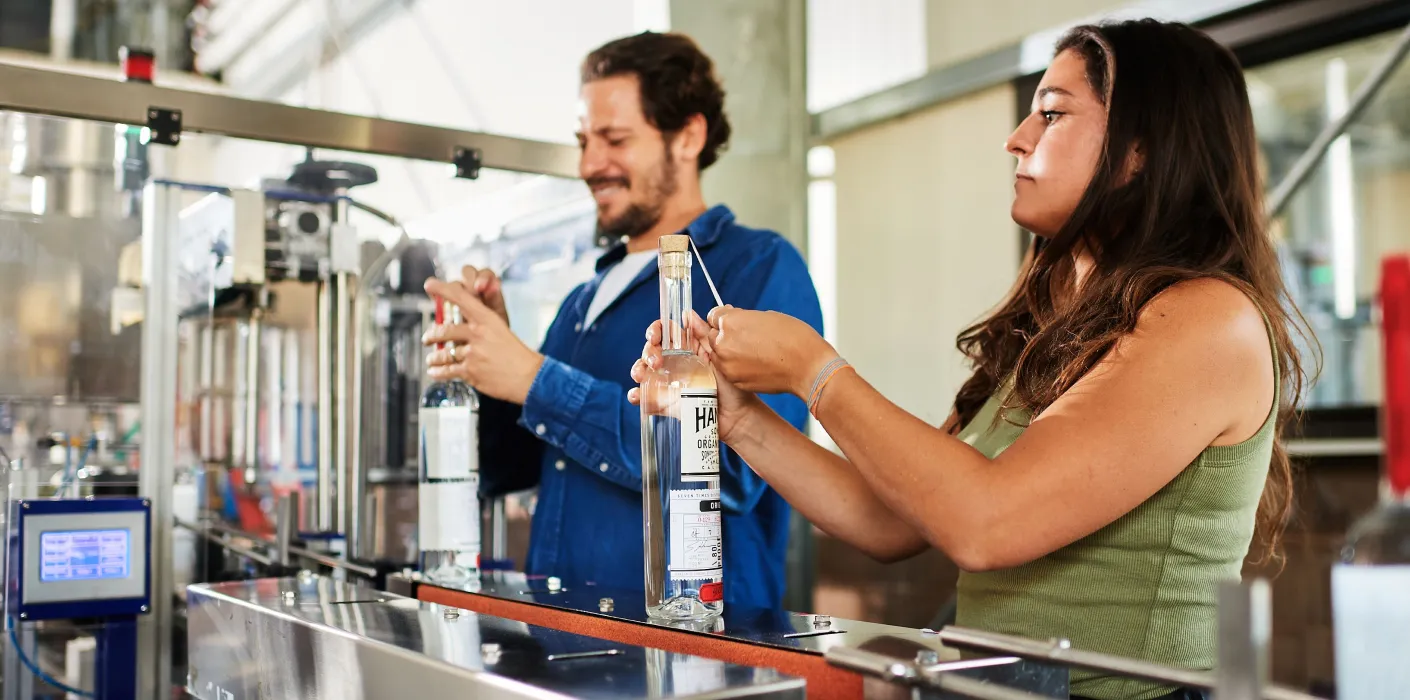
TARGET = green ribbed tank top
x,y
1144,586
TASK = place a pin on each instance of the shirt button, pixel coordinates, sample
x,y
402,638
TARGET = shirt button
x,y
577,327
602,467
560,465
540,429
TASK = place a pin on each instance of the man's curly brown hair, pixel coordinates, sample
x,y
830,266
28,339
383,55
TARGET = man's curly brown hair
x,y
677,81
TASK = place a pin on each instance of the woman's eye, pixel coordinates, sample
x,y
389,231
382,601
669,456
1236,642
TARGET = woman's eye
x,y
615,142
1050,116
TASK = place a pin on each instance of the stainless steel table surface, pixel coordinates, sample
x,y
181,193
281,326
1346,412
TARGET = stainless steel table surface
x,y
312,637
808,633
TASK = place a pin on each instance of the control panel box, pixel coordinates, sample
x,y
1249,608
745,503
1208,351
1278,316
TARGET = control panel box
x,y
79,558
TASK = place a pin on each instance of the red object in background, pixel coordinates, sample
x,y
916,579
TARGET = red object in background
x,y
1395,333
252,518
712,592
138,65
440,318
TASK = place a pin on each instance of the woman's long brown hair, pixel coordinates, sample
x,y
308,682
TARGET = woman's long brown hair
x,y
1194,209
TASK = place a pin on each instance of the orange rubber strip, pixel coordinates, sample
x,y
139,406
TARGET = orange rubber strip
x,y
825,682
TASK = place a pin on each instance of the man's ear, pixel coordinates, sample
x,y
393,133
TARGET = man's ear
x,y
690,140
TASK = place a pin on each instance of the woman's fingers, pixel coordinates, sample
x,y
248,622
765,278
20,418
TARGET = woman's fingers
x,y
634,397
717,313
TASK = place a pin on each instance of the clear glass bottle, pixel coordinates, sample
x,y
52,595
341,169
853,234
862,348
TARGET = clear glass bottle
x,y
680,453
448,532
1370,612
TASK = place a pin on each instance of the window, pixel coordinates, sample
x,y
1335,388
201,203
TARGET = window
x,y
1349,214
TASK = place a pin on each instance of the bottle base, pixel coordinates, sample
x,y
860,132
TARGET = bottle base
x,y
451,576
687,608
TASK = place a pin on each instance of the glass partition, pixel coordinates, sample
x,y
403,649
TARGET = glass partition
x,y
69,353
70,360
1349,214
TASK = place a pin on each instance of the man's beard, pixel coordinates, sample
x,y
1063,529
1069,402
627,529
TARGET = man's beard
x,y
643,216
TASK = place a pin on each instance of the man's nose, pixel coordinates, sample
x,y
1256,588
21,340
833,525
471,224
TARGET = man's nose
x,y
591,161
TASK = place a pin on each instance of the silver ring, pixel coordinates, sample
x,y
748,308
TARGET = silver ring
x,y
454,353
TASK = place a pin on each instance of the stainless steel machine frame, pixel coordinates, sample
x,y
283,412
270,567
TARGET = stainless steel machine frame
x,y
62,94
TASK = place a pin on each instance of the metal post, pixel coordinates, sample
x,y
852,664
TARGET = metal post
x,y
115,660
161,208
252,394
346,264
286,527
1244,628
323,511
342,400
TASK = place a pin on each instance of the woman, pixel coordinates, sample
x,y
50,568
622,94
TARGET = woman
x,y
1115,450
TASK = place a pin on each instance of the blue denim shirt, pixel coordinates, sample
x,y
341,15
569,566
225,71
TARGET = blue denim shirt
x,y
578,439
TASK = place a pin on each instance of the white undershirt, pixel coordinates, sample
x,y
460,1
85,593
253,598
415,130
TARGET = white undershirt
x,y
615,281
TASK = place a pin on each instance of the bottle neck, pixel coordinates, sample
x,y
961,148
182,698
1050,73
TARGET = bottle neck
x,y
676,299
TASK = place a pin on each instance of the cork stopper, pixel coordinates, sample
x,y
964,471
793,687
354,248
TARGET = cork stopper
x,y
675,243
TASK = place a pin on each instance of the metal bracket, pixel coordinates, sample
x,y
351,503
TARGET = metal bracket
x,y
164,125
467,162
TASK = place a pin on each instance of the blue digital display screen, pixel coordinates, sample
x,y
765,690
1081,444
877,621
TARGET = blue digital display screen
x,y
83,555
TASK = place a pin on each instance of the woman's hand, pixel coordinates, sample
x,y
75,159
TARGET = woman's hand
x,y
735,405
765,352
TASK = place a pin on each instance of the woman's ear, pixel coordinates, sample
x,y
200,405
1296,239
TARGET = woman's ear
x,y
1135,162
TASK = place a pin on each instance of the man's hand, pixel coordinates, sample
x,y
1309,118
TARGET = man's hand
x,y
483,352
486,285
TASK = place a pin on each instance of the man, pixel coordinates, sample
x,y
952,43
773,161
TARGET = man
x,y
652,120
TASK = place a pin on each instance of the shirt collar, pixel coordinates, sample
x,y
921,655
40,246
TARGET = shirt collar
x,y
705,230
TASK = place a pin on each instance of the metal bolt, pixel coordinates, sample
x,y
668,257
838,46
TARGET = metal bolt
x,y
606,605
1060,643
555,584
144,608
25,506
151,114
24,616
927,657
452,613
822,621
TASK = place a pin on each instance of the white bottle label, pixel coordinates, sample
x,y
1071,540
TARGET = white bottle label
x,y
700,436
449,515
696,551
449,444
1371,627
